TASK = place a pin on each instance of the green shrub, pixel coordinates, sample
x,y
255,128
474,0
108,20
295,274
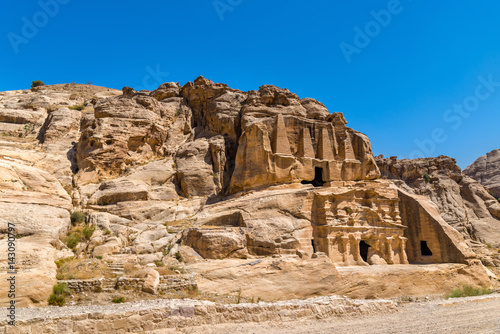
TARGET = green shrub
x,y
159,264
77,217
494,196
192,291
60,263
239,296
55,300
59,293
88,230
60,289
118,300
178,256
98,257
427,178
79,107
37,83
73,239
468,290
27,129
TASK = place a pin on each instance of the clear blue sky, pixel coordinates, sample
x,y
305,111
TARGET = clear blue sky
x,y
398,89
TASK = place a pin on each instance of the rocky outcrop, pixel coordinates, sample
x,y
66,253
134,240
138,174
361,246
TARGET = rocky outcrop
x,y
486,170
195,168
59,123
431,239
38,132
462,202
178,315
34,203
286,140
197,177
216,243
316,172
225,135
285,278
124,130
151,282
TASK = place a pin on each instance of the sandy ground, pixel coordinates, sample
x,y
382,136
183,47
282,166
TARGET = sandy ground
x,y
462,315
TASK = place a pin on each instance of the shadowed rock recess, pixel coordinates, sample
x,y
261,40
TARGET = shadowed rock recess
x,y
257,193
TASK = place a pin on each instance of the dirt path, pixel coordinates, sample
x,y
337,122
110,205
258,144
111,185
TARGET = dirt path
x,y
464,315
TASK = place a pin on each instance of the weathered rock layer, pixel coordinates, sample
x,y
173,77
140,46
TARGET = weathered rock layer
x,y
486,170
195,177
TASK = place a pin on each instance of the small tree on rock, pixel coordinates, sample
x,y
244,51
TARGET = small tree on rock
x,y
37,83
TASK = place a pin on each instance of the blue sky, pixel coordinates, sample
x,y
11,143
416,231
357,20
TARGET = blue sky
x,y
399,82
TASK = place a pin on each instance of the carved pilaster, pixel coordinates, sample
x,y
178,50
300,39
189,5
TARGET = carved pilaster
x,y
346,245
357,254
402,245
389,251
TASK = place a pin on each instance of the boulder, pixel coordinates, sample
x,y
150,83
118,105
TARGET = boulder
x,y
112,245
215,243
151,282
189,255
269,278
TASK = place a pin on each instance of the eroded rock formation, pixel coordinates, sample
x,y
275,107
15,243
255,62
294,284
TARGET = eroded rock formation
x,y
462,202
181,176
486,170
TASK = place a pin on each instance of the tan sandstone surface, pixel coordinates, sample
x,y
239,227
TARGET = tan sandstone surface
x,y
486,170
259,193
315,315
471,315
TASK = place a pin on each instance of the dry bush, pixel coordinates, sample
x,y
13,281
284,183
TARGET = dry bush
x,y
82,269
134,271
32,106
78,107
52,107
165,271
69,189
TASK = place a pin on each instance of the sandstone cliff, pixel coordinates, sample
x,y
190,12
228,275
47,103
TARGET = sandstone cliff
x,y
202,177
463,202
486,170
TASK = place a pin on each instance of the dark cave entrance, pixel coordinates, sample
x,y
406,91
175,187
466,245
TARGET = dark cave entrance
x,y
313,246
318,178
424,249
363,250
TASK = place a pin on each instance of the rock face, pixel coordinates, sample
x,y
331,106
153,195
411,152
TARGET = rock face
x,y
200,176
36,205
123,130
151,282
486,170
285,140
38,132
462,202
